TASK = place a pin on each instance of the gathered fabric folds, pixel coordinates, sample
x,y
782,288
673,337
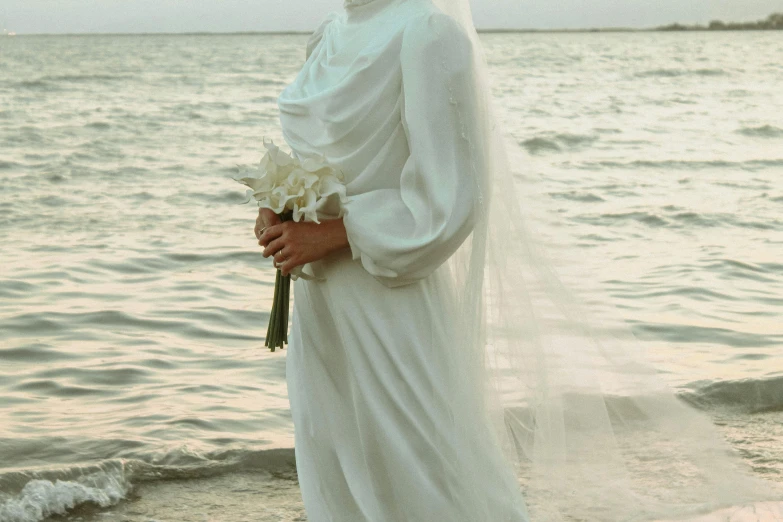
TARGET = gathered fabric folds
x,y
437,368
377,378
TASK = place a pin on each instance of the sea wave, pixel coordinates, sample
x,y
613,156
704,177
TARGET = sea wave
x,y
763,131
79,78
35,494
672,73
31,324
49,83
574,195
32,495
35,85
7,165
690,333
42,498
754,164
745,395
675,220
556,142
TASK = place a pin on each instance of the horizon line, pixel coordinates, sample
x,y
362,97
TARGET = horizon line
x,y
665,28
304,32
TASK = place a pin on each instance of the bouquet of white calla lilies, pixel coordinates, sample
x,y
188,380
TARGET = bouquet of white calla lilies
x,y
285,183
294,190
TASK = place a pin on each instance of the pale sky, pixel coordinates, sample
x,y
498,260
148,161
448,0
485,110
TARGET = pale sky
x,y
131,16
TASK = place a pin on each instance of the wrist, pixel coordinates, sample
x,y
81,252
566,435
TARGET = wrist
x,y
338,236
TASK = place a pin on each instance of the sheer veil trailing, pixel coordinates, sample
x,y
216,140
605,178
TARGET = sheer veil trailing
x,y
591,428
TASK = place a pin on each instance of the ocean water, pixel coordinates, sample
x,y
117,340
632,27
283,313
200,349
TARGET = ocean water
x,y
134,384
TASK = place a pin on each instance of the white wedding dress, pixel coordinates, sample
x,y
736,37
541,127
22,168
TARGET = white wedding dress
x,y
372,364
438,370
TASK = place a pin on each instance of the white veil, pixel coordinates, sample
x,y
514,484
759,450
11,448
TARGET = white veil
x,y
593,431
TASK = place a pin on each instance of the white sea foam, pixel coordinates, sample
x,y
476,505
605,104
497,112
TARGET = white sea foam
x,y
42,498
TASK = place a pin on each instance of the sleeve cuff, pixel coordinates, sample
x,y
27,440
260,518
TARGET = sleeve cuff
x,y
384,275
355,252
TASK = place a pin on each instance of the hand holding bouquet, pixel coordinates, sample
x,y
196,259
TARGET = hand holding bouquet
x,y
296,191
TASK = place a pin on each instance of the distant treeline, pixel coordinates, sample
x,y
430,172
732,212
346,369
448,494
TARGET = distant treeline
x,y
772,22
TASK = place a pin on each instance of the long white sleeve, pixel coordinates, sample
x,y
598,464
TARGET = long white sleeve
x,y
402,235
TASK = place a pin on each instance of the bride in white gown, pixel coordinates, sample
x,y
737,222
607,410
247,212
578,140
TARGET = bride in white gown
x,y
431,346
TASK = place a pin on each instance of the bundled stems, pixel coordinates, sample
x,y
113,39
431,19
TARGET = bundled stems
x,y
277,331
303,183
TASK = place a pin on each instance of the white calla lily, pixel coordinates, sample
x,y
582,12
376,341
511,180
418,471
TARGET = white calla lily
x,y
285,183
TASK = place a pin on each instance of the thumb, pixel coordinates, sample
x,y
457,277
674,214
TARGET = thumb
x,y
269,218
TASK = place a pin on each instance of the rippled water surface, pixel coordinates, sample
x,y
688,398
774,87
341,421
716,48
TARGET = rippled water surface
x,y
133,295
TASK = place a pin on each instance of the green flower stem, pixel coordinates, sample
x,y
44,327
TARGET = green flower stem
x,y
277,331
286,299
269,326
270,332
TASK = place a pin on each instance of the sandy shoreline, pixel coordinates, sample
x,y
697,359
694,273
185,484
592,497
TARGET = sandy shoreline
x,y
273,496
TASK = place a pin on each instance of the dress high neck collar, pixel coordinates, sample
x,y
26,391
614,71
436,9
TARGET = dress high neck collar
x,y
355,3
360,11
